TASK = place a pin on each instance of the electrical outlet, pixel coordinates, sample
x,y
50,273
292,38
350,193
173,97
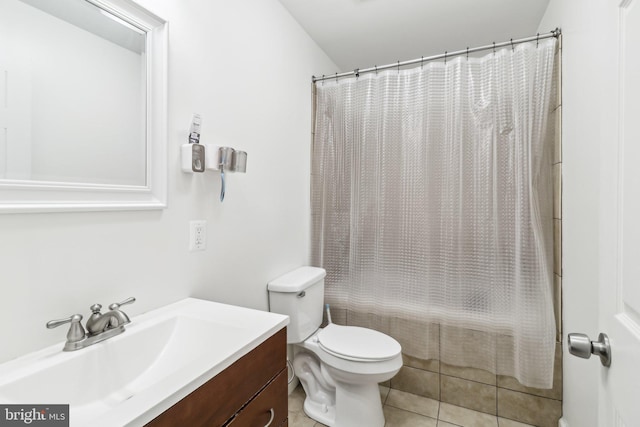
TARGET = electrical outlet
x,y
198,235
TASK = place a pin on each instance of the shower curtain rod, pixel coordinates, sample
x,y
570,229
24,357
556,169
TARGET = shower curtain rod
x,y
467,51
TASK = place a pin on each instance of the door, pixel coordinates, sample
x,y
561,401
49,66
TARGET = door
x,y
619,280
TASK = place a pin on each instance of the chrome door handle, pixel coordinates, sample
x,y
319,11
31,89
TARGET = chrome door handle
x,y
580,345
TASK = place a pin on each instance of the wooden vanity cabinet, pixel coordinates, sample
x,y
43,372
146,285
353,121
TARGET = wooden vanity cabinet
x,y
243,395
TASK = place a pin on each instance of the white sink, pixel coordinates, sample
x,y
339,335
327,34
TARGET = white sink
x,y
129,379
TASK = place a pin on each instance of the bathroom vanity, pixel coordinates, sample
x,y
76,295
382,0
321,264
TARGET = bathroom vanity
x,y
250,392
191,363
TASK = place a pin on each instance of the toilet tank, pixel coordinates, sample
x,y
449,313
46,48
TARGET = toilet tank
x,y
300,295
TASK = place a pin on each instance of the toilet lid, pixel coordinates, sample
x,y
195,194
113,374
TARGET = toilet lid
x,y
355,343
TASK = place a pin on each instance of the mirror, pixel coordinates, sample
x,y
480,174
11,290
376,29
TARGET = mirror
x,y
82,106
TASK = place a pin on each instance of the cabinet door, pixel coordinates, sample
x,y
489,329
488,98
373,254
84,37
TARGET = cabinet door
x,y
268,408
224,395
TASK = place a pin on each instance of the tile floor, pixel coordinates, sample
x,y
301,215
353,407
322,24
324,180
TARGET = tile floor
x,y
409,410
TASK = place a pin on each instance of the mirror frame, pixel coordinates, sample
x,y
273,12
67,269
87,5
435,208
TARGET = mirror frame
x,y
17,196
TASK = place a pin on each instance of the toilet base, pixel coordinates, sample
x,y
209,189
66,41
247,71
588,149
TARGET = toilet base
x,y
320,412
336,403
358,405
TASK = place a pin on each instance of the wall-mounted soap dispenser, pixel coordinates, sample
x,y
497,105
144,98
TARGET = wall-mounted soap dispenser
x,y
193,153
197,157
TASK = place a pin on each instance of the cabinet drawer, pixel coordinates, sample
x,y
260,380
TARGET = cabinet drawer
x,y
258,412
216,401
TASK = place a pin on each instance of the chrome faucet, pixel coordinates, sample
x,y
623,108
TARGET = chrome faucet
x,y
99,326
99,322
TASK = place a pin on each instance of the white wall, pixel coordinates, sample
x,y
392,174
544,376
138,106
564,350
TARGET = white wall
x,y
245,67
588,103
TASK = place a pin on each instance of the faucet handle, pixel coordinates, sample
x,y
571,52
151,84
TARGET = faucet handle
x,y
116,305
55,323
76,331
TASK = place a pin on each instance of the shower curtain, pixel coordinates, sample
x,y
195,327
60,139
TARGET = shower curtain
x,y
432,207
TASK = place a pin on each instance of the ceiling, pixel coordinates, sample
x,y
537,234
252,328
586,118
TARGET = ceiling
x,y
364,33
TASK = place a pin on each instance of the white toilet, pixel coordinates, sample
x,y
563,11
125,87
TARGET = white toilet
x,y
339,366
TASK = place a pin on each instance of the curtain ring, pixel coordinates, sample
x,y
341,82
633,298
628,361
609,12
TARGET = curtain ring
x,y
537,39
511,45
336,77
445,56
494,48
323,80
467,53
421,62
357,72
376,67
398,66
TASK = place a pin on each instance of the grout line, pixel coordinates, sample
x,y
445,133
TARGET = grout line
x,y
412,412
473,381
530,394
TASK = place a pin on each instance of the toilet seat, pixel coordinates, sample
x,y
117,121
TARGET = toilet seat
x,y
357,344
